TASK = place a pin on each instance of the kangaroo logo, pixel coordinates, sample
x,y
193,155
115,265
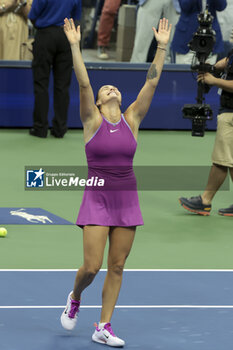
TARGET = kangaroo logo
x,y
31,218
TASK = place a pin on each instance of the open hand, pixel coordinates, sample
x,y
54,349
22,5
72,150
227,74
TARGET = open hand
x,y
163,34
73,34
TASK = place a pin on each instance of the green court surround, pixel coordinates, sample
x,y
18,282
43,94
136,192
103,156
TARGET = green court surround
x,y
171,237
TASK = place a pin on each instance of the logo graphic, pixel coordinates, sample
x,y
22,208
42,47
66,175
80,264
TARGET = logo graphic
x,y
113,130
35,178
31,218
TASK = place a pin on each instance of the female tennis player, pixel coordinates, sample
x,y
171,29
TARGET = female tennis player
x,y
112,212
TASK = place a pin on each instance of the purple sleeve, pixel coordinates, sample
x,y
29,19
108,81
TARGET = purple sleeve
x,y
36,9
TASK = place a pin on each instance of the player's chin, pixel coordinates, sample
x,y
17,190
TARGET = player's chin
x,y
114,97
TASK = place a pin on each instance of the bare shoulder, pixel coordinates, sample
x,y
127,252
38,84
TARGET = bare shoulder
x,y
128,115
91,125
131,121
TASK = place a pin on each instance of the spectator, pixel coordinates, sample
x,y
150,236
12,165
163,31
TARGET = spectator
x,y
225,19
187,26
51,49
13,28
107,18
149,13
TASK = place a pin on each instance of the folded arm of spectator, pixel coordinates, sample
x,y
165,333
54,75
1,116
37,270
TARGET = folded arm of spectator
x,y
26,9
8,7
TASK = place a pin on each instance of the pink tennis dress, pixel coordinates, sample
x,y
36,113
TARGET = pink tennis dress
x,y
110,155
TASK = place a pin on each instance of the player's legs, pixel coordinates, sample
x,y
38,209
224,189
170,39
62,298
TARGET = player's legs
x,y
94,241
120,243
217,176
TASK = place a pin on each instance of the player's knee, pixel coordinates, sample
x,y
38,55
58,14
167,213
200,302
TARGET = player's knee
x,y
91,271
117,268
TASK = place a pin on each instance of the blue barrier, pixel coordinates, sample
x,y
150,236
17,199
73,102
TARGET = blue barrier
x,y
177,87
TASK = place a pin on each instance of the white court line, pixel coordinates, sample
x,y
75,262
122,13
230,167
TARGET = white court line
x,y
122,307
126,270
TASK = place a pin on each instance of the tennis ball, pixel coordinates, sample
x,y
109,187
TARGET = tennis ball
x,y
3,231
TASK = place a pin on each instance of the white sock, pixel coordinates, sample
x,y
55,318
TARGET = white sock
x,y
101,325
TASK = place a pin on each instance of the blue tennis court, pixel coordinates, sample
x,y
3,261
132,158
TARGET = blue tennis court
x,y
157,309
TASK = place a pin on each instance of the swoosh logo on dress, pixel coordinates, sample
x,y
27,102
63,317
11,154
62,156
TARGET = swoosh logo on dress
x,y
113,130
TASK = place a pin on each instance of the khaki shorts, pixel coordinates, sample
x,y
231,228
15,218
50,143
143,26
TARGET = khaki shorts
x,y
223,147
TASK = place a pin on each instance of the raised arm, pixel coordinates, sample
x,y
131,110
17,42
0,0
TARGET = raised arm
x,y
88,108
138,109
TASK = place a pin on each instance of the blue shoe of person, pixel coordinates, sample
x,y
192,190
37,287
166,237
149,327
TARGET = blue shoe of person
x,y
226,211
195,205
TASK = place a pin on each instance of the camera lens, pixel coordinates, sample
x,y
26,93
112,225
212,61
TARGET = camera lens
x,y
203,43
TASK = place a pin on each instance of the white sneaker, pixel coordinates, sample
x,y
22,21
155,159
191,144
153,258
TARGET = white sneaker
x,y
107,337
70,314
102,53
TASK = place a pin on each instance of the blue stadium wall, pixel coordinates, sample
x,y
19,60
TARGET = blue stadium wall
x,y
177,87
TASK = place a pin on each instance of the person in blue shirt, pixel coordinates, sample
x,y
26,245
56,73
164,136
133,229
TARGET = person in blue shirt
x,y
188,25
51,51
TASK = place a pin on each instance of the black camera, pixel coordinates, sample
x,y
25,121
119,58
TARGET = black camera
x,y
204,39
198,113
202,44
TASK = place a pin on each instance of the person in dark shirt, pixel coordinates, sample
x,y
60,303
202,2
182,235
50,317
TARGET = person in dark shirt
x,y
51,51
222,156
